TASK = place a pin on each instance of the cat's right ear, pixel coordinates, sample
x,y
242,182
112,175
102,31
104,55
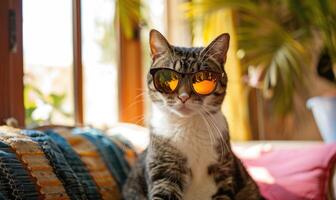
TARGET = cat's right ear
x,y
158,44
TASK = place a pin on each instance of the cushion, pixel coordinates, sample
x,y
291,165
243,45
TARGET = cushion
x,y
63,164
294,174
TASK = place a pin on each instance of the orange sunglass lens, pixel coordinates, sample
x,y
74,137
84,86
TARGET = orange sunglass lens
x,y
204,82
166,80
173,84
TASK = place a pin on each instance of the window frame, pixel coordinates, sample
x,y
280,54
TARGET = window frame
x,y
77,62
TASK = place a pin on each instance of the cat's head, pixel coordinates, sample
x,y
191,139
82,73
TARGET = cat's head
x,y
177,91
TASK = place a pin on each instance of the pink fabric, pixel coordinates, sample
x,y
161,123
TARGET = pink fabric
x,y
294,174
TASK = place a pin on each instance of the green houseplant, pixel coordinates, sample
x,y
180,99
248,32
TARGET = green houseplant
x,y
278,36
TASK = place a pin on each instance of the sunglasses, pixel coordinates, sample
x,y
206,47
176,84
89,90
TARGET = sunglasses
x,y
168,81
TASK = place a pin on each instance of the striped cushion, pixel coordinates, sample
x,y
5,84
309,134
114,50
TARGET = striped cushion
x,y
62,164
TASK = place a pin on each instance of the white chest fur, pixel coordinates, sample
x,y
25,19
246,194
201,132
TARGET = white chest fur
x,y
195,138
201,185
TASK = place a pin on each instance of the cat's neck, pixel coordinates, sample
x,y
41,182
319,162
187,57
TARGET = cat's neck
x,y
167,124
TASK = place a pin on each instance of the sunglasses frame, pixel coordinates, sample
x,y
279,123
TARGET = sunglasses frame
x,y
218,76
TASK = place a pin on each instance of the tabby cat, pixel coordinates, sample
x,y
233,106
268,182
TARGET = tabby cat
x,y
189,156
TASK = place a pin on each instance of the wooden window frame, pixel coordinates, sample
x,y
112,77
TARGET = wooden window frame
x,y
11,62
77,63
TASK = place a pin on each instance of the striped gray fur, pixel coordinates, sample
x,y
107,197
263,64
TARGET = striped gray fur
x,y
189,154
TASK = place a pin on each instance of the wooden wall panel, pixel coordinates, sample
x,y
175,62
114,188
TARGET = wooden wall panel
x,y
4,61
131,108
11,62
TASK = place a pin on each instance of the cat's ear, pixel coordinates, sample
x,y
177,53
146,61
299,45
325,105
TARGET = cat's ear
x,y
158,44
218,48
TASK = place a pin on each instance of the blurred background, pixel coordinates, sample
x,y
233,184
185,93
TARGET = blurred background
x,y
84,62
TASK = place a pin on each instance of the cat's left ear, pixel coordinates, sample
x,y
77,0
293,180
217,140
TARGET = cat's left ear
x,y
158,44
218,48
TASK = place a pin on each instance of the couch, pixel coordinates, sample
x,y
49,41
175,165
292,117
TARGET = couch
x,y
85,163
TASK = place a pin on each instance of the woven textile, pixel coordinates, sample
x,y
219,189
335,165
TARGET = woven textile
x,y
62,164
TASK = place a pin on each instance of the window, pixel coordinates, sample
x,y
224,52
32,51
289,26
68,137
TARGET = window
x,y
69,59
99,63
48,62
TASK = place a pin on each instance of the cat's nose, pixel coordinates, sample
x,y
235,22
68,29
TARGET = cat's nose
x,y
183,97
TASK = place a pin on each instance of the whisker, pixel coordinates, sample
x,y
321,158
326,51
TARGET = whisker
x,y
141,120
133,104
142,94
211,136
218,131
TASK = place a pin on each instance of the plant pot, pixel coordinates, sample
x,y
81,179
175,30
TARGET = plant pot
x,y
324,111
